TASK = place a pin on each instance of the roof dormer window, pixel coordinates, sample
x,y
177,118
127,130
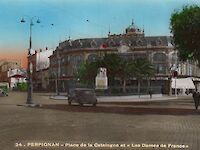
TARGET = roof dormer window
x,y
139,42
93,44
158,42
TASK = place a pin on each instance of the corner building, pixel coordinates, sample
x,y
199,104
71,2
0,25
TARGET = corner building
x,y
133,44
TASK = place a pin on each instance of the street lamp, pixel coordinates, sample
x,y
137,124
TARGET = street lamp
x,y
58,72
29,67
170,80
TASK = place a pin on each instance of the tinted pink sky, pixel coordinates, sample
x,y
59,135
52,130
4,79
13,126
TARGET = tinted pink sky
x,y
15,56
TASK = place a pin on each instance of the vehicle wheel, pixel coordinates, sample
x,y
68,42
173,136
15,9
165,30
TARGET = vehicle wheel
x,y
95,103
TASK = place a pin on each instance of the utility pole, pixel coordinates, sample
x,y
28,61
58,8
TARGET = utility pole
x,y
58,73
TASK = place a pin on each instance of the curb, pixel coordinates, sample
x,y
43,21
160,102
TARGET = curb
x,y
30,105
59,97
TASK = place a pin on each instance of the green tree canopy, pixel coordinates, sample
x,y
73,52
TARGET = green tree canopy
x,y
141,68
88,71
117,67
112,63
185,27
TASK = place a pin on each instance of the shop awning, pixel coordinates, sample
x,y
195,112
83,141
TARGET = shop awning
x,y
183,83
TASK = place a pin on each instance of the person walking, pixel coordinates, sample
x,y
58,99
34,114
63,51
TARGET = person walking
x,y
196,97
150,94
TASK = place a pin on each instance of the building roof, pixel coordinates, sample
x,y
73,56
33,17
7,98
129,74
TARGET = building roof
x,y
132,41
134,37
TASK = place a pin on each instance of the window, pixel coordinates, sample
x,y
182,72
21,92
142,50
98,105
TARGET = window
x,y
111,43
160,63
160,68
127,56
139,42
140,56
93,44
92,57
158,42
174,58
159,57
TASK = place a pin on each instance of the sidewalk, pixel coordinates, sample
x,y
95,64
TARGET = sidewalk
x,y
158,104
134,98
131,98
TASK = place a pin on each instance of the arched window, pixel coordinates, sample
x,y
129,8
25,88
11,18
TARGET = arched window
x,y
159,57
92,57
158,42
160,63
160,68
75,61
80,43
93,44
111,43
139,42
122,42
174,58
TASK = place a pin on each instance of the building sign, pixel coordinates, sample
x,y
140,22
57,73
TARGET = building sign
x,y
101,79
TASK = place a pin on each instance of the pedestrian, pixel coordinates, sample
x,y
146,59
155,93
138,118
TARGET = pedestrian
x,y
150,94
196,97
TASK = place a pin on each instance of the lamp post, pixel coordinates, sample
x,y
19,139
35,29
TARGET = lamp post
x,y
29,67
56,81
170,80
58,72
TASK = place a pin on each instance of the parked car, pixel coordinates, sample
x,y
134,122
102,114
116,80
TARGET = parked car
x,y
3,93
82,96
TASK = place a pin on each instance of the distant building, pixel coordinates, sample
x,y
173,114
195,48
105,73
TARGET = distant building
x,y
159,50
16,76
5,66
2,61
40,74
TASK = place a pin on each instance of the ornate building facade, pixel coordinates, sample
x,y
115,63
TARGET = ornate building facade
x,y
159,50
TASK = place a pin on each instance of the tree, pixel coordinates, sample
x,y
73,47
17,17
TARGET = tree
x,y
124,72
112,63
141,68
185,27
87,72
117,67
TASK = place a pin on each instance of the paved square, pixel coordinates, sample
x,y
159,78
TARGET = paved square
x,y
42,128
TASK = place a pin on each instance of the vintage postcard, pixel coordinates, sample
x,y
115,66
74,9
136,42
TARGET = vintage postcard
x,y
99,74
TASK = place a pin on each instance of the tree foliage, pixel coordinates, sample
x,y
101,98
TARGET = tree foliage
x,y
87,72
112,63
185,27
142,68
117,67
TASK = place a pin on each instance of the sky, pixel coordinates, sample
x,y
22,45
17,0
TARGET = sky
x,y
61,19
